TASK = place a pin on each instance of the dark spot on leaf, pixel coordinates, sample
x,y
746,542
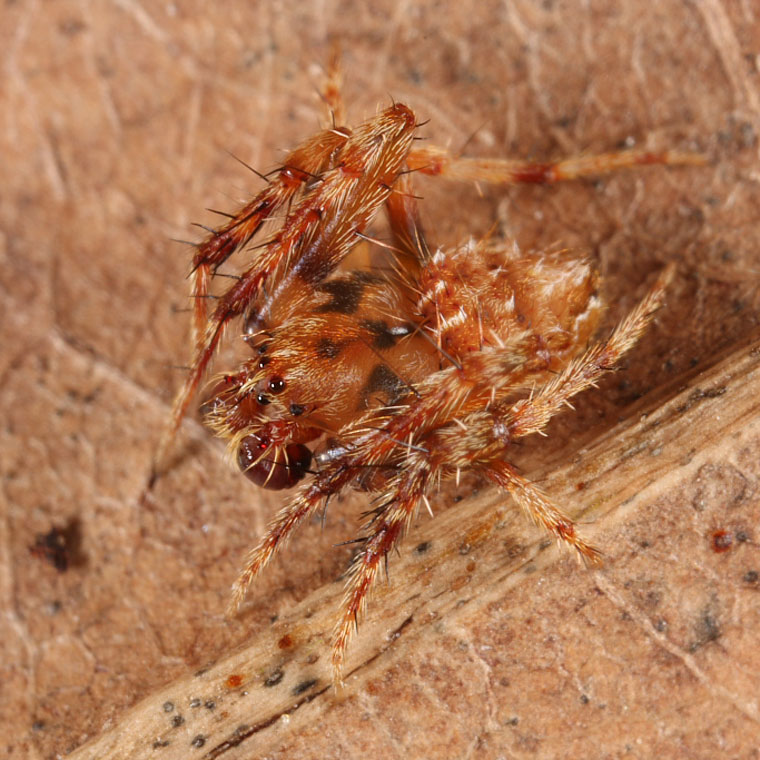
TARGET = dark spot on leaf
x,y
304,686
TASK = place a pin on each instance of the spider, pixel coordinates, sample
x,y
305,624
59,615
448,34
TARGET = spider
x,y
387,374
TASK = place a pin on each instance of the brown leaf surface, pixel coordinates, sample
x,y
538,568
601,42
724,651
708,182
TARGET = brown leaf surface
x,y
116,122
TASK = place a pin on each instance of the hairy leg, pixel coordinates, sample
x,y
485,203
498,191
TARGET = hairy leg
x,y
316,236
310,159
331,88
307,161
540,509
402,499
481,440
531,415
437,161
305,503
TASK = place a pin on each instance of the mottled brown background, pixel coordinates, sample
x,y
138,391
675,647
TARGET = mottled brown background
x,y
116,119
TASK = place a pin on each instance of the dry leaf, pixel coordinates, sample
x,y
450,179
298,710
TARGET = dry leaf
x,y
117,122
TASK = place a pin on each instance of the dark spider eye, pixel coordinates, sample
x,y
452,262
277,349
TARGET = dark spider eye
x,y
264,361
276,385
262,399
290,467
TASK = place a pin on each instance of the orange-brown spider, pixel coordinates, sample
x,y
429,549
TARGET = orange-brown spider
x,y
387,377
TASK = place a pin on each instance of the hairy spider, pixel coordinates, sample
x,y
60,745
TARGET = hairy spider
x,y
390,374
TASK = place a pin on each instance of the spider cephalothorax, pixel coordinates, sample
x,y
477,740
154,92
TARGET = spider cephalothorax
x,y
387,371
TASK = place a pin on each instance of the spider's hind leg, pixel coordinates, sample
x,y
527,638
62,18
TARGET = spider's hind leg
x,y
539,508
481,441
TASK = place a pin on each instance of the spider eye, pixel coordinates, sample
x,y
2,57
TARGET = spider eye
x,y
262,399
275,469
276,385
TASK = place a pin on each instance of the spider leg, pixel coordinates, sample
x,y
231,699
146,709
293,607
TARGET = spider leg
x,y
540,509
411,248
530,415
301,166
389,526
310,159
434,160
481,440
305,503
331,89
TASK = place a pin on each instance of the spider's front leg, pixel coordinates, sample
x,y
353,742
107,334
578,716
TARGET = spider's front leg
x,y
305,503
315,237
301,166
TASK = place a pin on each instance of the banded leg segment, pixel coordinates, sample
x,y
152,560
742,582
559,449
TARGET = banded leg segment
x,y
539,508
305,504
389,526
305,163
436,161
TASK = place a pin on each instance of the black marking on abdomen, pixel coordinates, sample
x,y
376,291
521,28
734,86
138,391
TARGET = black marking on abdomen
x,y
382,337
345,292
383,380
